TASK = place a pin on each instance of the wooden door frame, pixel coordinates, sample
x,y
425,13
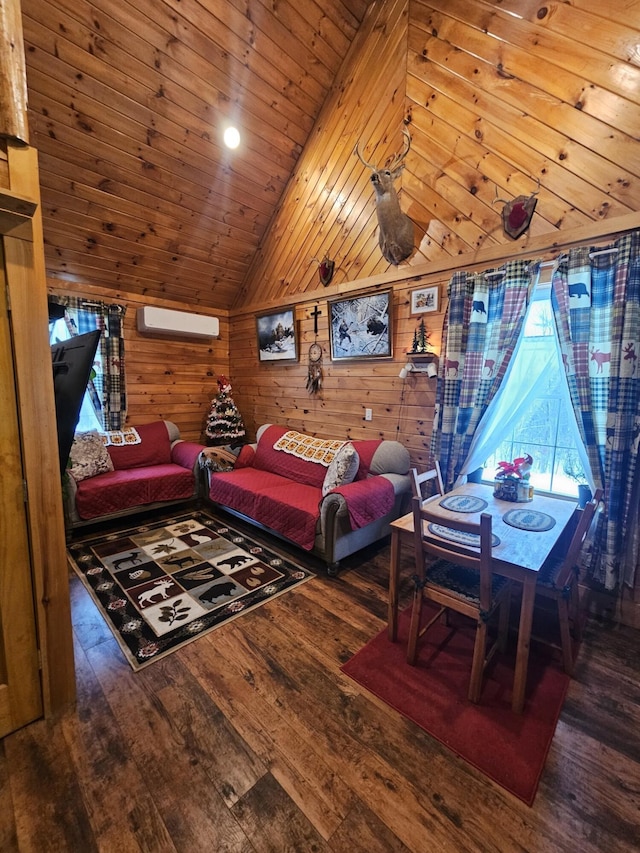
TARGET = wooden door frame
x,y
21,230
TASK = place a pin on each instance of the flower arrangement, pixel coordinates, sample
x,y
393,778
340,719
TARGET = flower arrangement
x,y
512,480
518,469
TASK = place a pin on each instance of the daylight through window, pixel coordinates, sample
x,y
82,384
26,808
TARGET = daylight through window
x,y
533,413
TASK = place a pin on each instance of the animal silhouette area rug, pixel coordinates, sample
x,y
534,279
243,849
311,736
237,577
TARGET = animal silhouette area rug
x,y
162,585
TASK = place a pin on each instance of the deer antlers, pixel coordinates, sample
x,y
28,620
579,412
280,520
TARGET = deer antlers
x,y
506,200
395,229
517,213
396,160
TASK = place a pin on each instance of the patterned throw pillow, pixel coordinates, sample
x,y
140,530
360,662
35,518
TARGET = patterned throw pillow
x,y
342,470
88,456
217,459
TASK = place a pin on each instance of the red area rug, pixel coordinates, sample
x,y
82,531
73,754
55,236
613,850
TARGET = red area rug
x,y
509,748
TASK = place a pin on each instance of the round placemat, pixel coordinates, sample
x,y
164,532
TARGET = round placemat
x,y
459,536
463,503
529,519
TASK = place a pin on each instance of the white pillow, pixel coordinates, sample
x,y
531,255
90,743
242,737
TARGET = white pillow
x,y
88,456
342,469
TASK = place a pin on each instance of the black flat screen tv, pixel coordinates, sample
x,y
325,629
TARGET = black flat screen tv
x,y
72,363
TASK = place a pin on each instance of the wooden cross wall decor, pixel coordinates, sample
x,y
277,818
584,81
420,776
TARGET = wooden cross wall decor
x,y
315,314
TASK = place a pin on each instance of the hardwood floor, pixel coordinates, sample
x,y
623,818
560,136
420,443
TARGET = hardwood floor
x,y
251,739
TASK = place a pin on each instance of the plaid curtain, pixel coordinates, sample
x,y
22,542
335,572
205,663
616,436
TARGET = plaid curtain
x,y
107,390
596,303
482,325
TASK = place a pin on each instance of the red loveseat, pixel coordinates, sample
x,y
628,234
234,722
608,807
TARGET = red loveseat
x,y
279,485
158,470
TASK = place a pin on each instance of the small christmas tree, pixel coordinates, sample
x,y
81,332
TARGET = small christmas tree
x,y
421,338
224,422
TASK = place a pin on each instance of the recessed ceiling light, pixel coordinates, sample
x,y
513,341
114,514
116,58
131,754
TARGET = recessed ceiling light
x,y
231,137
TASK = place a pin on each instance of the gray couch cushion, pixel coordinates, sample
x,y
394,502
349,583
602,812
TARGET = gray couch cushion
x,y
390,458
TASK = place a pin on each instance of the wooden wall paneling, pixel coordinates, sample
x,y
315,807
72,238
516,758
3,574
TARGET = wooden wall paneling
x,y
13,92
139,287
135,98
128,221
565,51
497,178
375,125
582,143
165,129
597,25
513,57
380,126
470,220
112,255
294,85
325,233
268,393
97,221
285,85
135,51
375,59
153,173
135,145
150,135
535,94
622,13
299,23
515,147
553,99
464,107
117,196
168,378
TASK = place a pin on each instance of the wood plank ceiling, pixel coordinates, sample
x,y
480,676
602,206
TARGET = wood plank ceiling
x,y
128,104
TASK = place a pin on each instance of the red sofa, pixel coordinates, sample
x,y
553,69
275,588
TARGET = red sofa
x,y
157,471
275,486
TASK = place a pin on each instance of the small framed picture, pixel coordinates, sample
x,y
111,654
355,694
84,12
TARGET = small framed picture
x,y
277,339
361,326
424,299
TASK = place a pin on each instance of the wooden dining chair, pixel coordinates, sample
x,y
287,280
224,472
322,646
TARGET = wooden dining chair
x,y
419,480
558,580
459,581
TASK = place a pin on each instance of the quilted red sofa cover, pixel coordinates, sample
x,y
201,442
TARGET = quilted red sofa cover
x,y
160,469
283,493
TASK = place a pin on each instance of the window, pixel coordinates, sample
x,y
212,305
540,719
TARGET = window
x,y
532,413
89,418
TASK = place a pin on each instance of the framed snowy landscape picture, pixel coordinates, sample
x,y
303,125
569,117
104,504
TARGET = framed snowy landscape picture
x,y
277,336
360,326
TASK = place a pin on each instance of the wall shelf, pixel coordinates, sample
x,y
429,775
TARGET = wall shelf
x,y
420,362
422,357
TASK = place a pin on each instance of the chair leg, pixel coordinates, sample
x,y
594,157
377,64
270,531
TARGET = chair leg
x,y
565,635
575,610
477,668
503,622
414,630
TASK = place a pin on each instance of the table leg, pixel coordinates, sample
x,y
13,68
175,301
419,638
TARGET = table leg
x,y
524,641
394,570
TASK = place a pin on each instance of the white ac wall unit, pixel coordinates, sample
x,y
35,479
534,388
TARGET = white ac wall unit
x,y
162,321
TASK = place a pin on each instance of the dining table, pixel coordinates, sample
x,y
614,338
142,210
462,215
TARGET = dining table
x,y
524,536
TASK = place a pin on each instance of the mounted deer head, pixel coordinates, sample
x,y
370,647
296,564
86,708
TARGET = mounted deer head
x,y
395,229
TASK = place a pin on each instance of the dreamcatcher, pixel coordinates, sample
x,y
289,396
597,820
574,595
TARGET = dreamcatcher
x,y
314,374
